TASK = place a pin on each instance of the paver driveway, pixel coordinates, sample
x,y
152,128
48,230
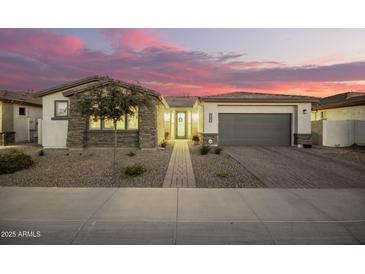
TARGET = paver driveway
x,y
298,168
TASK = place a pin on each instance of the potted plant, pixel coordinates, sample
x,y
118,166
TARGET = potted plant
x,y
196,139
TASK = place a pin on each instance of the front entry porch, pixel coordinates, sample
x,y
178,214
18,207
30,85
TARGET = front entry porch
x,y
181,123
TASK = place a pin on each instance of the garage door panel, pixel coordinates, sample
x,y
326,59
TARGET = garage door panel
x,y
254,129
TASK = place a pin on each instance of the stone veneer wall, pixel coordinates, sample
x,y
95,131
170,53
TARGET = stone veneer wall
x,y
78,135
77,126
302,139
212,136
105,138
148,125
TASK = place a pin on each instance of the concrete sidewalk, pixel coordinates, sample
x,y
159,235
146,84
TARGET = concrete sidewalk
x,y
181,216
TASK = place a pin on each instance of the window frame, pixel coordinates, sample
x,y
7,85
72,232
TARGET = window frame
x,y
55,109
25,111
102,128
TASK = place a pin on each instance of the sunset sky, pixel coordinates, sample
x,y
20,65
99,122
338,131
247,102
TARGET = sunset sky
x,y
313,62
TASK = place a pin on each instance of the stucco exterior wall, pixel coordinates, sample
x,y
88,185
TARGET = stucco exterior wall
x,y
345,113
339,133
360,133
22,124
301,120
54,132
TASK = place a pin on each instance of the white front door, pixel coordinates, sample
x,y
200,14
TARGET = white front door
x,y
180,125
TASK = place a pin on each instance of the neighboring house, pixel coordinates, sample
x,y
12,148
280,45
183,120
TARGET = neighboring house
x,y
339,120
238,118
19,113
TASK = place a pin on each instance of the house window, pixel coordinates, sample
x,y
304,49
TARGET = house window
x,y
61,108
132,121
21,111
107,124
94,123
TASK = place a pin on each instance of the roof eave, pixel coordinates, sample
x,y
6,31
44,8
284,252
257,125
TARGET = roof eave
x,y
246,100
69,85
21,102
340,105
105,83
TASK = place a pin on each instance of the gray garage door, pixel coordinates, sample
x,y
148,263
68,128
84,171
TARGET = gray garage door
x,y
241,129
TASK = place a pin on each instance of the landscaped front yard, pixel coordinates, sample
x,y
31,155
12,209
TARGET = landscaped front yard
x,y
88,168
220,171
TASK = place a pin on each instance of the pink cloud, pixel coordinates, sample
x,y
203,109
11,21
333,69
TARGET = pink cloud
x,y
33,43
137,39
37,59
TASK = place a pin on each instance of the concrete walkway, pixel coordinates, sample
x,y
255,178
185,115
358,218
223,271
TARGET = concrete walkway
x,y
182,216
180,170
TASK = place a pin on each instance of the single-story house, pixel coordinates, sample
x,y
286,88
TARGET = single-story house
x,y
19,114
339,120
233,119
64,127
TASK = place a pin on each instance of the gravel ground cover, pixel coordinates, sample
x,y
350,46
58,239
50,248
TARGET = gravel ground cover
x,y
355,153
88,168
220,171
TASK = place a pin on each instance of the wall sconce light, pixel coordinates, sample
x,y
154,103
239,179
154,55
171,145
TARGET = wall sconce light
x,y
167,116
305,111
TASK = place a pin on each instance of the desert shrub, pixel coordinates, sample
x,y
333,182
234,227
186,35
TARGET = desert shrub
x,y
131,154
204,150
14,161
163,144
134,170
217,150
41,152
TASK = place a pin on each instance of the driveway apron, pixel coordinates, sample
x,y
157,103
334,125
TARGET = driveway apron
x,y
287,167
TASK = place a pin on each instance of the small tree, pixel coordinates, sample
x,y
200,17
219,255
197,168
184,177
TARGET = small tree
x,y
113,102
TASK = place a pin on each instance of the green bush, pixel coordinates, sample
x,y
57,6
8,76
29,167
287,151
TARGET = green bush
x,y
204,150
217,150
134,170
41,152
14,161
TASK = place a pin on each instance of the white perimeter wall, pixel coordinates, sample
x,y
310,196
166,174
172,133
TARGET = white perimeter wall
x,y
343,133
54,132
22,123
301,123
